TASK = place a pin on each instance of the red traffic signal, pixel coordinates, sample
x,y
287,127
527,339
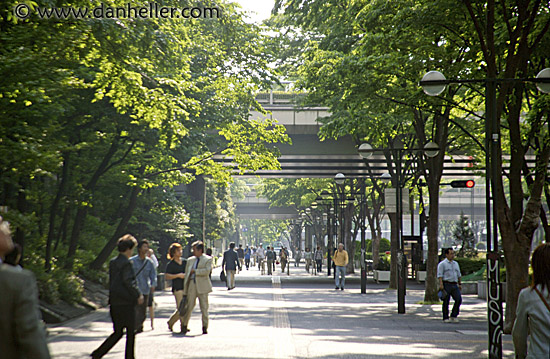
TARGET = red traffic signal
x,y
463,184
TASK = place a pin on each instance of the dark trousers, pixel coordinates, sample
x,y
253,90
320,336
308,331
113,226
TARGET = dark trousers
x,y
452,291
247,263
123,316
141,313
319,265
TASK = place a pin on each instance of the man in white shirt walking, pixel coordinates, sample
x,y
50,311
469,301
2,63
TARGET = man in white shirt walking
x,y
448,273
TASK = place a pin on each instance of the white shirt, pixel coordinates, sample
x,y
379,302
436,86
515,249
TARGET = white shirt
x,y
532,313
448,271
260,253
155,260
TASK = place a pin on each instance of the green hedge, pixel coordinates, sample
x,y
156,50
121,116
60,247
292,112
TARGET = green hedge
x,y
470,265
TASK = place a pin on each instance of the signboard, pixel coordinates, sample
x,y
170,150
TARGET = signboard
x,y
390,200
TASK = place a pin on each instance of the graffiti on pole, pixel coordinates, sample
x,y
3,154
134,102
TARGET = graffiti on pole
x,y
494,306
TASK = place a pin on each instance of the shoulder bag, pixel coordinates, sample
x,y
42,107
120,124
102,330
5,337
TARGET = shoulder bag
x,y
182,307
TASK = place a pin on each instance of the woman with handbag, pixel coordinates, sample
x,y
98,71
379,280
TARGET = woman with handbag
x,y
533,310
175,271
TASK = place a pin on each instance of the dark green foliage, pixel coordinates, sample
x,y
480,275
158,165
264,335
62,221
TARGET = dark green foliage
x,y
385,245
385,263
464,237
470,265
70,286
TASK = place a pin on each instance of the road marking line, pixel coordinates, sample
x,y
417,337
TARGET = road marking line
x,y
283,343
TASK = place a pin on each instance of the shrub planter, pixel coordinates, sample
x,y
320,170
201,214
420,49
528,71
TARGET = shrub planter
x,y
382,276
482,290
469,287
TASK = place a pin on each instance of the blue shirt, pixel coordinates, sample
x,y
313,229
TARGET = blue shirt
x,y
448,271
147,278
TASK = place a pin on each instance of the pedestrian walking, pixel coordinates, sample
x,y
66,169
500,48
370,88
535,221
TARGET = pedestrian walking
x,y
308,256
260,257
175,271
247,255
297,257
448,274
199,268
151,301
319,259
240,254
22,334
341,260
146,277
230,263
533,310
270,256
124,294
283,258
253,256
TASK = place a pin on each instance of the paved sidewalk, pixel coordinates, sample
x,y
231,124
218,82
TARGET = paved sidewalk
x,y
300,316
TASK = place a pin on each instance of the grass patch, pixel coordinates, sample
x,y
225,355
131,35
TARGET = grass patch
x,y
422,302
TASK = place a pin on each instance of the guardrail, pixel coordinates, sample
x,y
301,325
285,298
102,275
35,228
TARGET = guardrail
x,y
276,97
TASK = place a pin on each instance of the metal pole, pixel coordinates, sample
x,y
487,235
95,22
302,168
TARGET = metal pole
x,y
342,201
494,287
400,255
335,240
363,244
329,240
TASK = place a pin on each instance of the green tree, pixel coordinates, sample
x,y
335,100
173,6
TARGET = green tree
x,y
99,117
464,236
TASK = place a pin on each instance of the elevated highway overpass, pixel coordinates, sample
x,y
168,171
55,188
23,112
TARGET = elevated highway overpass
x,y
307,156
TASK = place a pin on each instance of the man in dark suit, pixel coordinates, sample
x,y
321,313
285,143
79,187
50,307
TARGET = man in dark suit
x,y
123,296
230,263
22,333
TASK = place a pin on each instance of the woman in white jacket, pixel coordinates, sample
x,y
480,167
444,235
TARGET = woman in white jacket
x,y
533,310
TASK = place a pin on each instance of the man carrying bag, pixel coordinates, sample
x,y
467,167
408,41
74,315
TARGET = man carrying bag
x,y
197,285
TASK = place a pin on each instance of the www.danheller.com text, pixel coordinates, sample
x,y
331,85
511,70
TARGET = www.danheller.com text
x,y
150,10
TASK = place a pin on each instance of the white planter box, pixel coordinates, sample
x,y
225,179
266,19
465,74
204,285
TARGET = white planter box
x,y
421,276
382,276
482,290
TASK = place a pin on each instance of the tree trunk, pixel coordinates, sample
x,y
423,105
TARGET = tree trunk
x,y
517,252
22,208
430,293
119,232
82,211
53,211
394,247
63,228
348,234
375,247
433,171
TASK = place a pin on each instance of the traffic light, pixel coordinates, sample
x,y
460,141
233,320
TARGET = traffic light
x,y
463,184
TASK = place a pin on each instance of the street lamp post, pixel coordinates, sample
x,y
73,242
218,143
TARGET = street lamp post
x,y
330,221
433,84
431,149
340,179
363,239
